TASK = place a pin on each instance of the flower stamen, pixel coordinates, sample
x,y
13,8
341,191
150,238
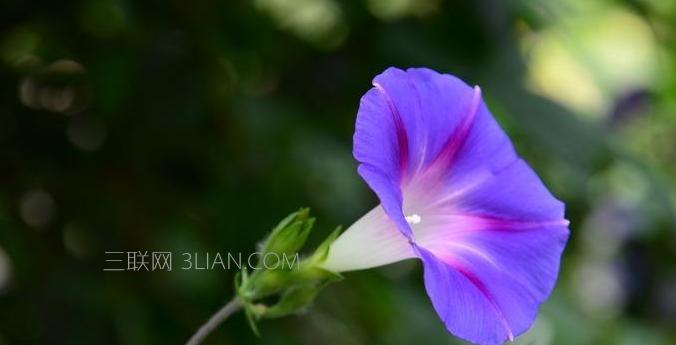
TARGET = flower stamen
x,y
413,219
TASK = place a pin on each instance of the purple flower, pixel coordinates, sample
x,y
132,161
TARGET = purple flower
x,y
455,195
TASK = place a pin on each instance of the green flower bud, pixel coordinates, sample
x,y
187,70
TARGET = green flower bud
x,y
296,285
289,236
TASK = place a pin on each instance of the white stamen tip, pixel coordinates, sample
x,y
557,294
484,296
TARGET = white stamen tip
x,y
413,219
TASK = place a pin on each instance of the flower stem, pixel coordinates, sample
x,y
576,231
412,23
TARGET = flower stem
x,y
215,320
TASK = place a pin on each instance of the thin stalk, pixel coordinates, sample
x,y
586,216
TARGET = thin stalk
x,y
215,320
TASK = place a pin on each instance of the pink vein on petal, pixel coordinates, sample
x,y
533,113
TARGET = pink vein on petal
x,y
425,140
402,138
459,137
484,291
505,224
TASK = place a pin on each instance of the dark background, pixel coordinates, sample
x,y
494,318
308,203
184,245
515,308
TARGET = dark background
x,y
194,126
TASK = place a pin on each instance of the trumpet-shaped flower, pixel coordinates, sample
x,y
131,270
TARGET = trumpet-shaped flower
x,y
455,195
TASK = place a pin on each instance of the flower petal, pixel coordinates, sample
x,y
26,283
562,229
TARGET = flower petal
x,y
492,256
514,193
403,123
488,288
380,145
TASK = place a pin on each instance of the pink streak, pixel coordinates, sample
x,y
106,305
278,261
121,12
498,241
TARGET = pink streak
x,y
402,138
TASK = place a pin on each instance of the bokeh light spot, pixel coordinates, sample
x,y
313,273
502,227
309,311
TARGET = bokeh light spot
x,y
37,208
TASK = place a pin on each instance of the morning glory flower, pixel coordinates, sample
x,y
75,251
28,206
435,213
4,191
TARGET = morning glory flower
x,y
454,194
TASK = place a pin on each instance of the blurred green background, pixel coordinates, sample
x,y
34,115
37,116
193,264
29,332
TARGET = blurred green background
x,y
194,126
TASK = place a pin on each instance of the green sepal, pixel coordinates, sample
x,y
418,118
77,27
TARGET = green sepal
x,y
264,283
293,300
251,318
289,236
322,251
322,274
